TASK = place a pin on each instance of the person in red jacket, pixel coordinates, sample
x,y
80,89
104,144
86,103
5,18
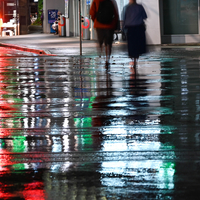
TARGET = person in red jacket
x,y
105,31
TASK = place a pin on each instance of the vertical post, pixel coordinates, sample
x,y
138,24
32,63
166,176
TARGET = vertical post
x,y
80,27
17,17
16,21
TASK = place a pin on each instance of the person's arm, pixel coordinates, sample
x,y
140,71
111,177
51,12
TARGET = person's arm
x,y
144,14
124,17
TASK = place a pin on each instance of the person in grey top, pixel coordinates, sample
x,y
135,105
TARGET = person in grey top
x,y
134,24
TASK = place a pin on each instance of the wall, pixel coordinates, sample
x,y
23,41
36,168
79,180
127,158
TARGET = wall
x,y
153,31
51,4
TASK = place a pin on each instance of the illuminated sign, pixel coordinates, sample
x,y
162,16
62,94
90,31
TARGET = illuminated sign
x,y
10,4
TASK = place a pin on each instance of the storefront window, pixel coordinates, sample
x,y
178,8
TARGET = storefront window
x,y
6,9
121,4
180,17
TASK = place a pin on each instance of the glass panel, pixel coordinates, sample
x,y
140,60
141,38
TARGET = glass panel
x,y
180,16
120,5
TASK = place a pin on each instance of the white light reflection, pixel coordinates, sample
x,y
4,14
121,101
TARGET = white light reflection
x,y
120,105
135,130
158,174
55,167
66,123
65,166
25,120
32,122
153,173
65,143
57,144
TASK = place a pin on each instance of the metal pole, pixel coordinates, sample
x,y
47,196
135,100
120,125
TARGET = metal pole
x,y
16,21
18,25
80,27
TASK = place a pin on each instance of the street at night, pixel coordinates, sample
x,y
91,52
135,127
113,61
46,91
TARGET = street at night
x,y
70,129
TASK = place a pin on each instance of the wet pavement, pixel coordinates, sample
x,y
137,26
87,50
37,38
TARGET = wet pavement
x,y
70,129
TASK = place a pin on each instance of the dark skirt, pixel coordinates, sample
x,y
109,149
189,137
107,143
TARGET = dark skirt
x,y
136,40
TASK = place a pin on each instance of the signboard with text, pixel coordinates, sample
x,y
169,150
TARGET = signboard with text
x,y
52,16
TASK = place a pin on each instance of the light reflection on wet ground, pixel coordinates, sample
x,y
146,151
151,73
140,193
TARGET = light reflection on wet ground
x,y
70,129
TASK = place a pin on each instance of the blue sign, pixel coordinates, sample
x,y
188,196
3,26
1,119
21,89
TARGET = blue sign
x,y
52,16
87,2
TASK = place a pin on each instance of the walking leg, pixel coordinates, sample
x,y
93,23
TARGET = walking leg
x,y
108,49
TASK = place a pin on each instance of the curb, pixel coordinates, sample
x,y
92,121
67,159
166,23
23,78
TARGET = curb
x,y
36,51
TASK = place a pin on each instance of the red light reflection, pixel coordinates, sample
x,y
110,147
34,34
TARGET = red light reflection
x,y
35,189
5,160
5,107
4,195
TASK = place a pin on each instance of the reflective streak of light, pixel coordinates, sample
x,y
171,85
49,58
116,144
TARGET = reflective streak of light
x,y
57,144
33,191
117,145
138,173
5,159
114,128
158,174
66,143
11,145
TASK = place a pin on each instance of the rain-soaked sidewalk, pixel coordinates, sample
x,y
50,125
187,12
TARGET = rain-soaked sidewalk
x,y
70,129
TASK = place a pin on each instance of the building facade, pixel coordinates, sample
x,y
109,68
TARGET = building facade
x,y
179,21
17,13
70,8
169,21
